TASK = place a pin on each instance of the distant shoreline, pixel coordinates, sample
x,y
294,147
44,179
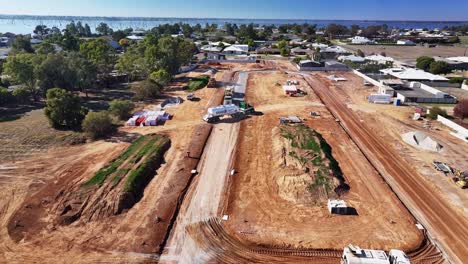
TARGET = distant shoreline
x,y
125,18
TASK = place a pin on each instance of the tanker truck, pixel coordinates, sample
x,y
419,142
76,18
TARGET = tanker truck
x,y
214,114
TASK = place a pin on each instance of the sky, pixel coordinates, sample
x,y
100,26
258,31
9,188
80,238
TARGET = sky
x,y
428,10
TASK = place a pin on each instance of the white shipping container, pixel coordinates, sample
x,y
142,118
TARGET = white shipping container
x,y
151,121
131,121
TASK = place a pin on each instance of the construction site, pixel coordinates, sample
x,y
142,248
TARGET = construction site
x,y
267,165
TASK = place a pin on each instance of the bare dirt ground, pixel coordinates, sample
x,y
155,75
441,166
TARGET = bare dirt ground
x,y
259,215
133,237
445,223
391,122
409,54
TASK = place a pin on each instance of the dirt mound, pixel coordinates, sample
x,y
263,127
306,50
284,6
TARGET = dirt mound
x,y
114,189
306,171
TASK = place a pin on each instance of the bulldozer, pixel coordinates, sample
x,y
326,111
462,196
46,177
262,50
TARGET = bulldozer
x,y
461,179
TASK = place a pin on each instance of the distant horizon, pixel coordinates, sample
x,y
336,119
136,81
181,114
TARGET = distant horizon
x,y
230,18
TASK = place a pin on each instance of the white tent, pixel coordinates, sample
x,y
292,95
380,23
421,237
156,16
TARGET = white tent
x,y
420,140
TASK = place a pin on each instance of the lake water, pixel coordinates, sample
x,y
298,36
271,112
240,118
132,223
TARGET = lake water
x,y
26,24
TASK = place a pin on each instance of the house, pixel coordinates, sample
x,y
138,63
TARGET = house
x,y
455,63
215,56
6,41
379,59
405,42
331,53
310,63
135,38
413,75
300,51
361,40
211,48
236,49
266,50
415,92
352,58
319,45
35,41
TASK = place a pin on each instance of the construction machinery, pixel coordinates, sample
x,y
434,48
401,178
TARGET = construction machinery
x,y
443,167
461,178
214,114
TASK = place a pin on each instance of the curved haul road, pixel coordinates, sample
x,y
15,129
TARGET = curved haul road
x,y
447,226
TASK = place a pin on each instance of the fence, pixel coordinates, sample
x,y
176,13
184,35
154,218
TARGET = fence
x,y
462,133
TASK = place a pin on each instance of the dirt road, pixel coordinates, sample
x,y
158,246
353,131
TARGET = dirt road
x,y
446,225
205,196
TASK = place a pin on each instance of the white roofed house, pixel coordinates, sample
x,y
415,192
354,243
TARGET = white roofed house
x,y
380,59
405,42
352,58
236,49
413,75
361,40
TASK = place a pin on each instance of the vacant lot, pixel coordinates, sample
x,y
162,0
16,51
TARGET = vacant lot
x,y
269,203
409,54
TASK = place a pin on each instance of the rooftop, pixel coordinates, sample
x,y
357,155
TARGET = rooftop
x,y
412,74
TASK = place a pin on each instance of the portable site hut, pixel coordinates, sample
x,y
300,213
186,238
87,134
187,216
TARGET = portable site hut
x,y
131,121
140,120
151,120
290,89
339,207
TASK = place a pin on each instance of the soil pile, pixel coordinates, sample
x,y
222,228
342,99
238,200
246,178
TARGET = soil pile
x,y
307,172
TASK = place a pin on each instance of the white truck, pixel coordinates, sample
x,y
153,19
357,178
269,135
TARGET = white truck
x,y
356,255
214,114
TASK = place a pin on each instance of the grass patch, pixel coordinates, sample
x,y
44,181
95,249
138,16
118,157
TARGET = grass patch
x,y
102,174
137,177
198,83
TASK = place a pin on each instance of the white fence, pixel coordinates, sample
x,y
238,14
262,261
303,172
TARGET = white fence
x,y
462,133
465,86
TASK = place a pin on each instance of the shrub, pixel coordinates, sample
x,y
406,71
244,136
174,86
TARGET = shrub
x,y
98,124
147,90
64,109
121,108
439,67
5,96
162,76
424,63
457,80
435,111
21,95
198,83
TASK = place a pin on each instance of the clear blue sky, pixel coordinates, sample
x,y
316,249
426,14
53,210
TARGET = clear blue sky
x,y
442,10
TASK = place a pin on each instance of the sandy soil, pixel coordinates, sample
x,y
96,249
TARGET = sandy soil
x,y
397,121
409,54
260,215
128,238
444,222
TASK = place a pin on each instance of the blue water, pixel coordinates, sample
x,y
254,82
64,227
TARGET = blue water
x,y
26,24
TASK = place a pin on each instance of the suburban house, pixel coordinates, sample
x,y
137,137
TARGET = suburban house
x,y
135,38
236,49
331,53
379,59
352,58
300,51
5,41
455,63
266,50
413,75
361,40
405,42
211,48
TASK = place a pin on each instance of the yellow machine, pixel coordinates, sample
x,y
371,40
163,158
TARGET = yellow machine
x,y
461,179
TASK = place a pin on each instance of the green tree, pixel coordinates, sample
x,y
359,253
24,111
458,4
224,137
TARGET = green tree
x,y
424,63
103,29
147,90
21,95
161,76
99,52
98,124
439,67
55,71
64,109
435,111
5,96
45,48
22,69
70,42
85,72
121,108
21,45
132,63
